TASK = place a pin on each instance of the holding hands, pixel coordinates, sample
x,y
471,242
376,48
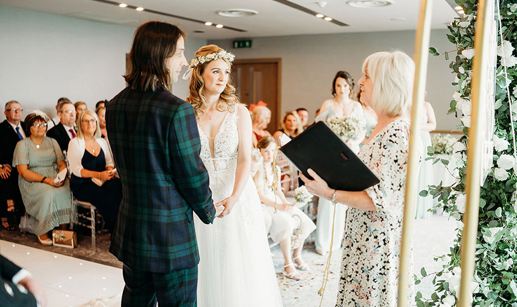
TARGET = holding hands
x,y
227,205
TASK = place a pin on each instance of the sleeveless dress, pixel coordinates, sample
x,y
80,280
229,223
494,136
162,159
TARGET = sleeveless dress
x,y
325,208
236,268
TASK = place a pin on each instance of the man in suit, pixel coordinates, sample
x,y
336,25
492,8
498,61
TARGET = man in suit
x,y
155,143
55,120
64,131
18,288
11,131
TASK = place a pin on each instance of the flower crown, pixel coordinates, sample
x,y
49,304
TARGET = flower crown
x,y
207,58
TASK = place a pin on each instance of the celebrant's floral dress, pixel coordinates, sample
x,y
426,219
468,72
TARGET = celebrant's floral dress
x,y
371,246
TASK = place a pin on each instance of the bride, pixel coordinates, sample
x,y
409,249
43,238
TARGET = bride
x,y
236,268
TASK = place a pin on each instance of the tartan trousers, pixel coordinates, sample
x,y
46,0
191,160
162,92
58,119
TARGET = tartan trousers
x,y
173,289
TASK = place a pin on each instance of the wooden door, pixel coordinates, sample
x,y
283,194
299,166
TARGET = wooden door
x,y
259,79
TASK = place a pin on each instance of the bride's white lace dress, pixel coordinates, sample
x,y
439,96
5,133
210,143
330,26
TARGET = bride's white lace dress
x,y
236,268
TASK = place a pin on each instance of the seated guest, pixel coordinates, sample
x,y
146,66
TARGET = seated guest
x,y
80,107
101,114
260,118
303,114
90,159
280,217
19,289
54,121
100,104
11,131
39,159
291,127
64,131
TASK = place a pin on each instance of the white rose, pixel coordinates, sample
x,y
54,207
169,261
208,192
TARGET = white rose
x,y
500,144
457,96
461,202
464,24
456,270
468,53
505,49
466,107
454,284
460,225
506,162
461,70
513,8
451,300
508,263
509,61
466,121
500,174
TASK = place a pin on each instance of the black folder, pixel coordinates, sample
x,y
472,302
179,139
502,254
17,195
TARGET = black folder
x,y
320,149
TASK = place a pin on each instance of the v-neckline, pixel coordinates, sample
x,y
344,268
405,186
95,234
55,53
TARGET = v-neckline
x,y
212,154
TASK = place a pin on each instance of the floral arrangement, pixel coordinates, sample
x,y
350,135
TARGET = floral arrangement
x,y
443,143
347,128
211,57
494,281
302,195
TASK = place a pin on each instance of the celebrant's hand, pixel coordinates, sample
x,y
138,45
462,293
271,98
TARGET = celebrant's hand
x,y
317,186
228,204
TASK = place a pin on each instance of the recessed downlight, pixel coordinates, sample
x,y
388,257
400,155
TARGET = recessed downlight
x,y
370,3
219,26
139,8
208,23
320,15
237,13
327,18
122,5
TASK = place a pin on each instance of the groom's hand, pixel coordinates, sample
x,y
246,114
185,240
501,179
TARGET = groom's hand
x,y
228,204
218,209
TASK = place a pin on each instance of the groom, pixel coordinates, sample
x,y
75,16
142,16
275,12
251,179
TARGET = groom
x,y
156,148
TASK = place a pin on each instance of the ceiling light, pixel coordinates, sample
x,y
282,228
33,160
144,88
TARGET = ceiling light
x,y
208,23
237,13
139,8
122,5
319,15
327,18
219,26
369,3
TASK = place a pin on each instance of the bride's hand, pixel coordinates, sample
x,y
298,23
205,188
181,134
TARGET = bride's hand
x,y
218,209
228,204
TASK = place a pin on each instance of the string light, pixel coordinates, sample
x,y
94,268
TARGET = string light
x,y
122,5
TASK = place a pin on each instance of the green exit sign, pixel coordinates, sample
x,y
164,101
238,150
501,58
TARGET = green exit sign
x,y
242,44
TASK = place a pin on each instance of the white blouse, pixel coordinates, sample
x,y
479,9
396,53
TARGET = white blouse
x,y
75,154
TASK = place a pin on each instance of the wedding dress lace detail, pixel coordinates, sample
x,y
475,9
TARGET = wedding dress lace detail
x,y
236,268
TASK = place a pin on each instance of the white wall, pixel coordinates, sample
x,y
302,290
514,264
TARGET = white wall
x,y
310,62
44,57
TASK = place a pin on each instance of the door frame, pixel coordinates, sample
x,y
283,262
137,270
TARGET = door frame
x,y
278,62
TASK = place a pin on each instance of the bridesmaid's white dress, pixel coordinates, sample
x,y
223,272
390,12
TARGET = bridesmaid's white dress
x,y
236,268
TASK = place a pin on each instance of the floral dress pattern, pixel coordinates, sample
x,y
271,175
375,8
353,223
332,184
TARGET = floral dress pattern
x,y
371,246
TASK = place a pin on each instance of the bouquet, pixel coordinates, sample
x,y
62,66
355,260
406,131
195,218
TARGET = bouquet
x,y
301,195
347,128
442,143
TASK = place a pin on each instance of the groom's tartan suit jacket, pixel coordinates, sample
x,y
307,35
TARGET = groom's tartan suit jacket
x,y
155,143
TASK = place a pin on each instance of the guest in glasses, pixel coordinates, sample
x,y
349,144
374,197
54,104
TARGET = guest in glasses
x,y
55,120
39,160
64,131
11,131
93,175
80,107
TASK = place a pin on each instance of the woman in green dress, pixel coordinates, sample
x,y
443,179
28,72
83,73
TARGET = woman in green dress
x,y
39,159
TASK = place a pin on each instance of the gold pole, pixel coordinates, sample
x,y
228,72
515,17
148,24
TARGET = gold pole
x,y
473,181
421,56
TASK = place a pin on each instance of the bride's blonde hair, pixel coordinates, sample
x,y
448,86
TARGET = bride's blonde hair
x,y
227,99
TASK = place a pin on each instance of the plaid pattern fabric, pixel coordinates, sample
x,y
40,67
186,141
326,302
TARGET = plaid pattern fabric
x,y
155,143
175,289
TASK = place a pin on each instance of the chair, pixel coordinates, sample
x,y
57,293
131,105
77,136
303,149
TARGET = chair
x,y
77,218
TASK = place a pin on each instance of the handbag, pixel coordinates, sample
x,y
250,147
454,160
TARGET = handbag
x,y
296,237
64,238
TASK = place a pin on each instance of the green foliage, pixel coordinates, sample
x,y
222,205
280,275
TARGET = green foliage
x,y
496,248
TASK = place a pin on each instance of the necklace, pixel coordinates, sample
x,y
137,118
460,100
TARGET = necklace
x,y
37,145
91,144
